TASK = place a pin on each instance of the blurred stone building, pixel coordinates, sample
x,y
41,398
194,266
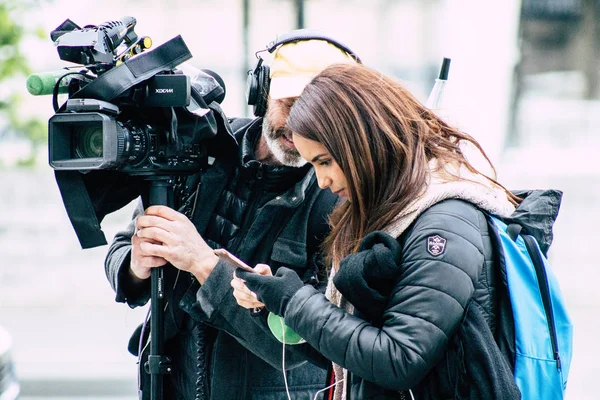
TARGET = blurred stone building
x,y
523,81
559,43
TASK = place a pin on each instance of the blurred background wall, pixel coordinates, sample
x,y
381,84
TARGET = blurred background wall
x,y
524,80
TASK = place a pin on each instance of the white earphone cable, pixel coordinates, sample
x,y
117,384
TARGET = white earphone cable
x,y
287,389
324,389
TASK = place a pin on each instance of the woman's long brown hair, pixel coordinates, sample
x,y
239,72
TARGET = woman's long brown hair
x,y
382,138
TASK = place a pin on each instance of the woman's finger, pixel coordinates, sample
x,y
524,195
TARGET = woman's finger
x,y
239,285
246,301
263,269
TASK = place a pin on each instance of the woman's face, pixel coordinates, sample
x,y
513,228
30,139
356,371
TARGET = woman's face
x,y
329,173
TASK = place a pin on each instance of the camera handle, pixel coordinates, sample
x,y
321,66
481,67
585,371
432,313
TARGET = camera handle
x,y
161,193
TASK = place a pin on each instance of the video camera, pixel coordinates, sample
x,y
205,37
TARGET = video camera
x,y
131,118
127,111
133,126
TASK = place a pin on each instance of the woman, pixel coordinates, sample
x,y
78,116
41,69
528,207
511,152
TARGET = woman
x,y
410,304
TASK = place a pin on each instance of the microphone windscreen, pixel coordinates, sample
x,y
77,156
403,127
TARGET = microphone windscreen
x,y
43,83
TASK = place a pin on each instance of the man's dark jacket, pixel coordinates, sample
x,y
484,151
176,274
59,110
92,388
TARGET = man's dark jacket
x,y
262,214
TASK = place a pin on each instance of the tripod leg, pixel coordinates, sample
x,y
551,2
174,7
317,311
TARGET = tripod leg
x,y
158,363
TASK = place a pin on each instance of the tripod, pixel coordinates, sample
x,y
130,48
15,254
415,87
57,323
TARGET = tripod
x,y
161,193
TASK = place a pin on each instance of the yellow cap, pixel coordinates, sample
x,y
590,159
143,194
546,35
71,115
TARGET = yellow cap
x,y
295,64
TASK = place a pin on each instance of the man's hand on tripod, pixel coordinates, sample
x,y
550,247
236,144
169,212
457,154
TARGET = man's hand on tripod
x,y
165,234
141,263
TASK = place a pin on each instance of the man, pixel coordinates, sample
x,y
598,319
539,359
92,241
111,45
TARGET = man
x,y
263,204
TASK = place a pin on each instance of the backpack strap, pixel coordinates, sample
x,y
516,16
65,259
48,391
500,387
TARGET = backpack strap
x,y
514,230
542,279
505,325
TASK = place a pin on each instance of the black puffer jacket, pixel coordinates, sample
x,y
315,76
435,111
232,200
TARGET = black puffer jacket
x,y
263,214
428,294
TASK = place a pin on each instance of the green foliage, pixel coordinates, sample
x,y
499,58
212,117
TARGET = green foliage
x,y
13,63
32,128
12,60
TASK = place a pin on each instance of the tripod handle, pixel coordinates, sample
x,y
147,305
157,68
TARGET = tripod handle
x,y
161,193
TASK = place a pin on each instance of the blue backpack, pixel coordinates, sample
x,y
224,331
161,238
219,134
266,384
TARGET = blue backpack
x,y
535,331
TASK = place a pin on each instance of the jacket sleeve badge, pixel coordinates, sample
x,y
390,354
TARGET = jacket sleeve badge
x,y
436,245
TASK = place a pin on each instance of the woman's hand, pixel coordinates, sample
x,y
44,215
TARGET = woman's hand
x,y
244,296
274,291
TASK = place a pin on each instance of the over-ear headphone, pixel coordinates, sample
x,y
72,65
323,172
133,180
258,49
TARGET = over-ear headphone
x,y
259,80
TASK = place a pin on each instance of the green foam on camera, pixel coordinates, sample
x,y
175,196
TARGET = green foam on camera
x,y
281,331
43,83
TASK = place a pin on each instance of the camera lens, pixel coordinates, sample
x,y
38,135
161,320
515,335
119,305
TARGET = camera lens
x,y
88,142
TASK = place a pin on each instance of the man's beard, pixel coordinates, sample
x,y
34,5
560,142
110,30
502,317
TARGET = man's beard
x,y
282,153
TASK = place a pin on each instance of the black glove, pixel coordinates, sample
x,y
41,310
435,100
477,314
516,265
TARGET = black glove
x,y
273,291
385,253
366,278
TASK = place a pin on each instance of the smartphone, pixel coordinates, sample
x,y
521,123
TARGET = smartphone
x,y
224,254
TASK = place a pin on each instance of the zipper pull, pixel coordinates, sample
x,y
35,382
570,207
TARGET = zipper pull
x,y
259,172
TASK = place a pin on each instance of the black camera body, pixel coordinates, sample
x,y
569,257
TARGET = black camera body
x,y
128,111
131,135
133,123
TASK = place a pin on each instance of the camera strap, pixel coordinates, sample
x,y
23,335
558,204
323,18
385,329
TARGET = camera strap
x,y
89,197
80,209
135,70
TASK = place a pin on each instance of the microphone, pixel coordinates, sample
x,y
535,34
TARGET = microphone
x,y
43,83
